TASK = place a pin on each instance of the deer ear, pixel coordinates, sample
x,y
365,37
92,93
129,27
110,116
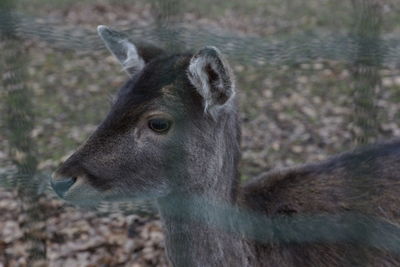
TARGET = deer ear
x,y
124,50
211,75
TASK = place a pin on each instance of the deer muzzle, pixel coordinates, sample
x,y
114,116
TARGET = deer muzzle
x,y
62,184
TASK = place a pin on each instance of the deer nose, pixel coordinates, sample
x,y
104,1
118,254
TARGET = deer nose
x,y
62,185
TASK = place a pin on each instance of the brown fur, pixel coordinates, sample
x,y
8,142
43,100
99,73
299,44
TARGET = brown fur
x,y
361,187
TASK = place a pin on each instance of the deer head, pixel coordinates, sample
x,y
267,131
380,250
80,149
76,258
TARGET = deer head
x,y
168,131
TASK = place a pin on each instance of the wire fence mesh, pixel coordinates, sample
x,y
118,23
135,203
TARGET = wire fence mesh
x,y
364,49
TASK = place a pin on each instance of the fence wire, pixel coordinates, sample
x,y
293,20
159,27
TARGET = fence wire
x,y
301,48
366,52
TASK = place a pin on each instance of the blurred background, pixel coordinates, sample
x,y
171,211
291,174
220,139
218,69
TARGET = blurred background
x,y
314,77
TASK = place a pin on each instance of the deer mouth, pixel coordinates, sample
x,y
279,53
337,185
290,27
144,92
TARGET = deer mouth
x,y
98,182
72,187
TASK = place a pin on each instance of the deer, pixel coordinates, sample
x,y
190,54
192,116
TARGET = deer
x,y
172,136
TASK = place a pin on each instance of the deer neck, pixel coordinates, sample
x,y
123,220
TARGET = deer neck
x,y
198,234
196,230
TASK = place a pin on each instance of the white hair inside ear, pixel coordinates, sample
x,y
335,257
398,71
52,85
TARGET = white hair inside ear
x,y
133,62
200,79
211,75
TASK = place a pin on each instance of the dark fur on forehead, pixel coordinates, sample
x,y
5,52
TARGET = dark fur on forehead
x,y
133,98
156,74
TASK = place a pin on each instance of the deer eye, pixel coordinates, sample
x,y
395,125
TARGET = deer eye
x,y
159,125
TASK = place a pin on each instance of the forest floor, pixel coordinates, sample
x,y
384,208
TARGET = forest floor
x,y
291,114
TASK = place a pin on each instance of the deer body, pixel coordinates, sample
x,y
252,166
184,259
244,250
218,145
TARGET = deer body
x,y
173,135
